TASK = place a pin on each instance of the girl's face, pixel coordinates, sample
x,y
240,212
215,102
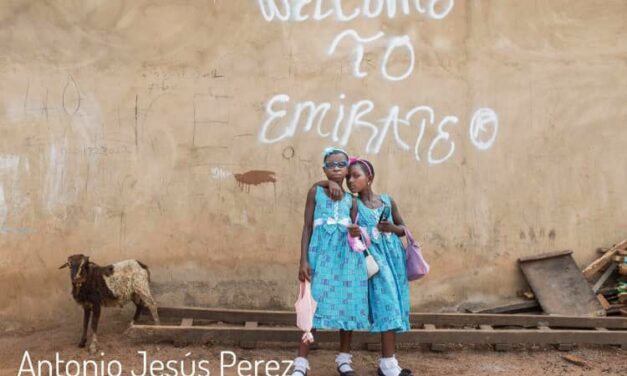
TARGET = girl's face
x,y
336,167
357,178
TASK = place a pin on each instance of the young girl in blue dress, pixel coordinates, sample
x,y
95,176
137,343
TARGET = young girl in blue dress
x,y
339,280
388,290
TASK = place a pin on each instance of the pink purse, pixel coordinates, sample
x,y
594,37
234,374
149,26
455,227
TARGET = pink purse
x,y
360,243
305,309
417,266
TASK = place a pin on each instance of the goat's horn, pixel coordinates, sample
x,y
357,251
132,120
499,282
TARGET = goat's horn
x,y
64,266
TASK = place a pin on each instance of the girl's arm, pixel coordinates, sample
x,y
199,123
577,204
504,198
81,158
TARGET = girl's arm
x,y
396,228
304,271
335,190
398,220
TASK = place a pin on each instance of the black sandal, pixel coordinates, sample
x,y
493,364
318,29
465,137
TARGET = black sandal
x,y
297,370
347,373
404,372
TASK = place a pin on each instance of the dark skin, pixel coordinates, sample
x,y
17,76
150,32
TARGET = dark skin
x,y
334,175
360,182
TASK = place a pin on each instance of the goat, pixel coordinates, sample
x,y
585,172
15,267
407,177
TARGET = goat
x,y
94,286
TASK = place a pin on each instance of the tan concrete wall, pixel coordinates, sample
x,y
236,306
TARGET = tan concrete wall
x,y
129,130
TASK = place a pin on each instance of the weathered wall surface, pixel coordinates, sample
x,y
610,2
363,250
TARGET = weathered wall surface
x,y
166,131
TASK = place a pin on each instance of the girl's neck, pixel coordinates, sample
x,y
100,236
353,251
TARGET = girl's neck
x,y
367,195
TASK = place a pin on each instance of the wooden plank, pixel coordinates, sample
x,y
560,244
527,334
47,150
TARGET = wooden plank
x,y
526,321
543,256
497,346
608,272
512,308
604,303
559,286
435,347
621,252
600,263
249,345
203,334
187,322
232,316
616,308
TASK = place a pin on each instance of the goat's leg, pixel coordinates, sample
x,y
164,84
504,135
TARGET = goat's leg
x,y
93,346
138,311
144,293
152,307
86,314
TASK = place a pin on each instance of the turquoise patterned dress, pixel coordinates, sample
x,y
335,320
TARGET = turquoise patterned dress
x,y
388,289
339,278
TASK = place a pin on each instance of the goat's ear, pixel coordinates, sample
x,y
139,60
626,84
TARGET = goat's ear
x,y
64,265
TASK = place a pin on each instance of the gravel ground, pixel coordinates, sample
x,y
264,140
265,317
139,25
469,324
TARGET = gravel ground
x,y
43,344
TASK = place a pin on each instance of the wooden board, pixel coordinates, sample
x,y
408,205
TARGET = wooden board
x,y
600,263
606,274
204,334
525,306
241,316
559,285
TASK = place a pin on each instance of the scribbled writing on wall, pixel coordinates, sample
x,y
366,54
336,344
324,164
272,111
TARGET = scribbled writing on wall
x,y
338,120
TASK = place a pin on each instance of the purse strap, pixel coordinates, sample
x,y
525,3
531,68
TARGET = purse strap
x,y
354,219
354,211
408,235
366,237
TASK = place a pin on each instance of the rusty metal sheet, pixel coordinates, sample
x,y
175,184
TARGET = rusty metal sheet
x,y
559,286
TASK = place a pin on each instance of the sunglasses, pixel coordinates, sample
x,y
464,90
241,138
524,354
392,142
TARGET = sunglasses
x,y
333,164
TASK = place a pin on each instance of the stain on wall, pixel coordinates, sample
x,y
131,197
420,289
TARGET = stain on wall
x,y
255,177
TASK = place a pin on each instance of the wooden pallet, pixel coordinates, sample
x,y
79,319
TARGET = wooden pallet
x,y
247,327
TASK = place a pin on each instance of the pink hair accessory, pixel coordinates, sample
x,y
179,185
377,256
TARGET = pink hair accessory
x,y
365,164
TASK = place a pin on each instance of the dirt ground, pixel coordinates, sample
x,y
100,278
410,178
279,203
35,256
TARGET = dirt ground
x,y
457,360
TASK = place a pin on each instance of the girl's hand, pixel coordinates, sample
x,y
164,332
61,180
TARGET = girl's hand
x,y
385,226
304,271
353,230
335,191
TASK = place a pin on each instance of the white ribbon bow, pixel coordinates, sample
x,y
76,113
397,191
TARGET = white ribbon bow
x,y
332,221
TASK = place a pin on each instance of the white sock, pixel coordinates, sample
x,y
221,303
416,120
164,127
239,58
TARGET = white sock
x,y
389,366
300,364
343,361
